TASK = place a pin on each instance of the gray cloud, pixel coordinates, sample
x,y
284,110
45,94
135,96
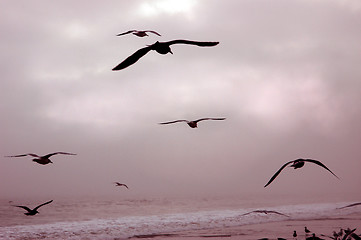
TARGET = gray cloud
x,y
285,75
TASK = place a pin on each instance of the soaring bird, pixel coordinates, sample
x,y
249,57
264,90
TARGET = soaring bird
x,y
265,212
161,48
120,184
351,205
31,212
42,159
192,124
139,33
298,163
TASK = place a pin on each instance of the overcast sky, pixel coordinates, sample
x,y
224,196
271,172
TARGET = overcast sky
x,y
286,75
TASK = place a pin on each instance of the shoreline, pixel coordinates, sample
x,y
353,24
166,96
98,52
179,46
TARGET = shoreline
x,y
271,230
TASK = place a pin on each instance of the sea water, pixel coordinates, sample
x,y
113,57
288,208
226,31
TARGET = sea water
x,y
125,218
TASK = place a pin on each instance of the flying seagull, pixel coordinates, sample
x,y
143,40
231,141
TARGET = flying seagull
x,y
192,124
31,212
351,205
161,48
42,159
298,163
120,184
265,212
139,33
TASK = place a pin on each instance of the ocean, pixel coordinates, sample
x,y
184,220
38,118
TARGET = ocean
x,y
89,218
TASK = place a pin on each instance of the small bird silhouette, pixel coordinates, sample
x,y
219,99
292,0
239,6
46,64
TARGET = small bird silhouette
x,y
265,212
351,205
294,234
159,47
192,124
31,212
42,159
306,230
139,33
298,163
120,184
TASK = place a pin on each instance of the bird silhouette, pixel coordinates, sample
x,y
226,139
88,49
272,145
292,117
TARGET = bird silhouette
x,y
120,184
265,212
31,212
42,159
306,230
192,124
161,48
294,234
139,33
298,163
351,205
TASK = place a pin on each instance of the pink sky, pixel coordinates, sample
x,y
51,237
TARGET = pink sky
x,y
286,75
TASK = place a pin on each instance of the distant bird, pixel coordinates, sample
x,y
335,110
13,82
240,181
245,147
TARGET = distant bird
x,y
31,212
298,163
42,159
265,212
159,47
192,124
294,234
306,230
139,33
120,184
351,205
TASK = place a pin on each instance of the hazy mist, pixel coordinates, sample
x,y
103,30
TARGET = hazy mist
x,y
286,75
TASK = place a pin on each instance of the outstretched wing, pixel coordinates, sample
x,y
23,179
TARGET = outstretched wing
x,y
200,44
173,121
120,34
153,32
278,213
51,154
351,205
132,58
247,213
24,207
209,119
320,164
278,172
42,205
23,155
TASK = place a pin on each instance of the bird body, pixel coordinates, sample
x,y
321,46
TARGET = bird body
x,y
306,230
120,185
298,163
159,47
194,123
43,160
139,33
294,234
32,212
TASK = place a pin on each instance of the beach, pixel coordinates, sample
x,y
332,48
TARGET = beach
x,y
271,230
176,219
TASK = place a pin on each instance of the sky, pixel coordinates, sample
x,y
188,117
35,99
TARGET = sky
x,y
286,76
